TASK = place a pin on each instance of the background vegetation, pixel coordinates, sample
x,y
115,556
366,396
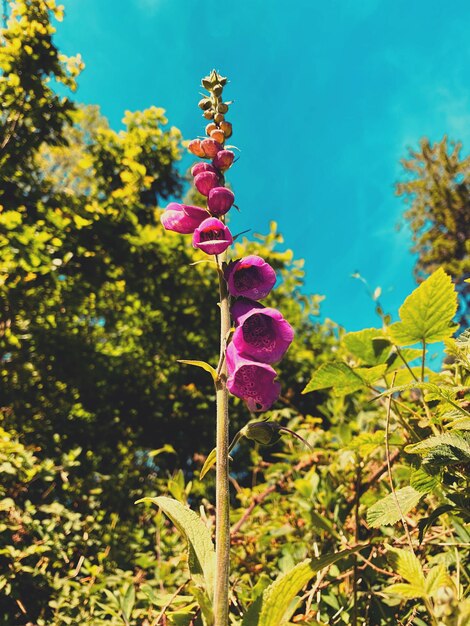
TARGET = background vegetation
x,y
96,412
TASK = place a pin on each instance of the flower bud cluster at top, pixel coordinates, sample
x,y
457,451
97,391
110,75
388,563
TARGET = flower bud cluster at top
x,y
261,335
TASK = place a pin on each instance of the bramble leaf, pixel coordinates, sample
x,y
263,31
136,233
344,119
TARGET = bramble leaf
x,y
342,378
407,565
387,511
369,345
426,315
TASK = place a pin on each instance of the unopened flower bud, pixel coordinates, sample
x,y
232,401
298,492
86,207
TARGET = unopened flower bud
x,y
195,148
209,114
205,104
218,117
227,128
205,181
210,127
264,433
206,83
210,147
202,167
223,159
220,200
222,107
218,135
217,89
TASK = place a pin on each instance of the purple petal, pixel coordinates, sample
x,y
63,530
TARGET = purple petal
x,y
243,306
263,334
212,236
250,277
251,381
181,218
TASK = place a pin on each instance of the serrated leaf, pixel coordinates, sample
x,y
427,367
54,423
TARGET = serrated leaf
x,y
437,577
337,375
279,595
404,590
423,482
426,315
200,546
366,443
386,511
459,443
208,463
371,374
203,365
369,345
407,565
342,378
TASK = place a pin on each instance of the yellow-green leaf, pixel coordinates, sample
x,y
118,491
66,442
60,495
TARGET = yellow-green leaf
x,y
202,364
426,315
387,511
196,533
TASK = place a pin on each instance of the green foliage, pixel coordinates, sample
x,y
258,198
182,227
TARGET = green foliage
x,y
426,314
93,300
200,548
436,188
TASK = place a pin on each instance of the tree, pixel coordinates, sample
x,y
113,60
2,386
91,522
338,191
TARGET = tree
x,y
437,190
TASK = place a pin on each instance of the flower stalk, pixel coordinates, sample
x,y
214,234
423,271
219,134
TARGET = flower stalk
x,y
222,532
261,335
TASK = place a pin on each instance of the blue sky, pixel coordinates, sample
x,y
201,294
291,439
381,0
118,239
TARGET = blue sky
x,y
328,96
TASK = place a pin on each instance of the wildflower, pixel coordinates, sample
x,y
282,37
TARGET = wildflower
x,y
250,277
262,334
182,218
219,200
212,236
251,381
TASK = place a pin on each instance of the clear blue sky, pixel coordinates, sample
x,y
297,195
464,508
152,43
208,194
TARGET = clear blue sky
x,y
328,96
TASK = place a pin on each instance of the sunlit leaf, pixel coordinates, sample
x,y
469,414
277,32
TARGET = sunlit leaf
x,y
196,533
426,315
387,511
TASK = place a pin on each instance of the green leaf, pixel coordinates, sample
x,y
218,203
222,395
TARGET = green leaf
x,y
208,463
277,598
201,548
404,590
203,365
437,577
369,345
343,378
454,440
423,482
127,602
386,511
427,313
407,565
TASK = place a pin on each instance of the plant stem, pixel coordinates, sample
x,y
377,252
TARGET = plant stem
x,y
222,519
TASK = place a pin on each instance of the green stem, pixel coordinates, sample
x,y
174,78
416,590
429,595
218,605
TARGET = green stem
x,y
222,519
